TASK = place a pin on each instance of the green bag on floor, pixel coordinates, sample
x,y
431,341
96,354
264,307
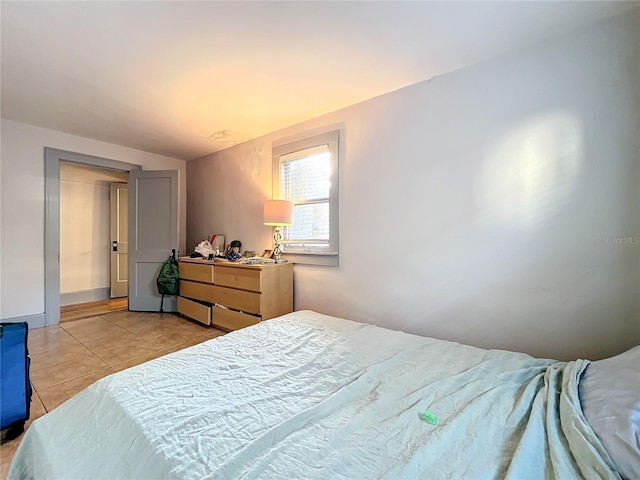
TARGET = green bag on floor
x,y
168,278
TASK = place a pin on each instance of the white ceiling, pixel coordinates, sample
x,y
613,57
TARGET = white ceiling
x,y
161,76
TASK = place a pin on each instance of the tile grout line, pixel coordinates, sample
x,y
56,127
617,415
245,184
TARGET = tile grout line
x,y
95,339
75,377
49,350
150,341
92,353
66,381
126,330
104,361
39,398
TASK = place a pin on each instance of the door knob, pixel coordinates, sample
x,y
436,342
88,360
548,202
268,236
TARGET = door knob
x,y
114,245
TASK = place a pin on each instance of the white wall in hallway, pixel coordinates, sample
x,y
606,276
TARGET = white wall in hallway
x,y
85,227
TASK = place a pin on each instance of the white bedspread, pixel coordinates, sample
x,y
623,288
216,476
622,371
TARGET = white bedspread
x,y
311,396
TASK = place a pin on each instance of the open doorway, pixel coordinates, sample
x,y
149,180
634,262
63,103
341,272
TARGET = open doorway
x,y
54,158
93,240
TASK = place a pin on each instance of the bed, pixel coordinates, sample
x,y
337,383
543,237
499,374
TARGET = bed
x,y
312,396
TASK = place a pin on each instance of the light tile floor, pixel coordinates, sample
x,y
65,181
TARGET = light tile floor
x,y
69,357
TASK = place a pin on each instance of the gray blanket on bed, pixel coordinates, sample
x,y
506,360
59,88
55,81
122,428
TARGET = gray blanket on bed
x,y
311,396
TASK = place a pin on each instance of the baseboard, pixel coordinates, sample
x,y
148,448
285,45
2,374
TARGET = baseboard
x,y
34,321
84,296
74,307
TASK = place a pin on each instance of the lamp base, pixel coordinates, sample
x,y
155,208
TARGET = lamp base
x,y
276,248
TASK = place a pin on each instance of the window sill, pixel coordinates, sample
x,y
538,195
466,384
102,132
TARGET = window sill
x,y
323,260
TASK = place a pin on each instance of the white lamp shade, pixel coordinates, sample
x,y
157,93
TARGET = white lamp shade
x,y
278,212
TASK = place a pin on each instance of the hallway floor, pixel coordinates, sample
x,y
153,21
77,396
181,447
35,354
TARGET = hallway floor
x,y
69,357
92,309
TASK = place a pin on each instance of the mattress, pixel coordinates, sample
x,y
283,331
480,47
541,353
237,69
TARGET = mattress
x,y
312,396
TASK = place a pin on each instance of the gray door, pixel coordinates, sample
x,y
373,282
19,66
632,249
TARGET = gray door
x,y
153,233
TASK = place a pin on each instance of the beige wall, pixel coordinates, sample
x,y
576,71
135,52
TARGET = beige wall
x,y
85,227
22,206
484,206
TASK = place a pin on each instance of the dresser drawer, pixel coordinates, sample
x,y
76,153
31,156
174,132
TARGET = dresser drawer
x,y
199,291
236,299
231,320
238,277
196,271
195,310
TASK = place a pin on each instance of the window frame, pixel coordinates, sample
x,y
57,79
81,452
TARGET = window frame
x,y
313,255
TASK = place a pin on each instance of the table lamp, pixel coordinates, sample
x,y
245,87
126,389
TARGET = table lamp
x,y
277,213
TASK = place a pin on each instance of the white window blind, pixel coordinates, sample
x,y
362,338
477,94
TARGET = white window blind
x,y
306,173
305,180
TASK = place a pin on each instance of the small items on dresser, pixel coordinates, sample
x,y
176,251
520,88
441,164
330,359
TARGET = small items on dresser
x,y
233,251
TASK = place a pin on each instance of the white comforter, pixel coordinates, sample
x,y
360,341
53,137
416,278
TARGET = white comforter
x,y
311,396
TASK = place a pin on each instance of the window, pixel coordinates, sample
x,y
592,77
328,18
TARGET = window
x,y
306,173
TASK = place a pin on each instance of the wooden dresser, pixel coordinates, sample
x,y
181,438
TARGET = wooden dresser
x,y
232,295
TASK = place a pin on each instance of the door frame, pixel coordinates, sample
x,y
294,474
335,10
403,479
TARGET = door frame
x,y
52,158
